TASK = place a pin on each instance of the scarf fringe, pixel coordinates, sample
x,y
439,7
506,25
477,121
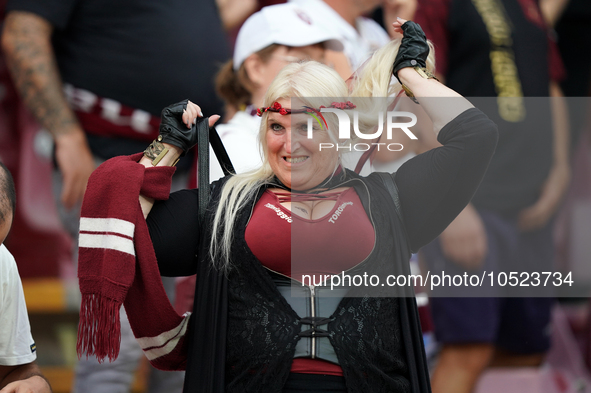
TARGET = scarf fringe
x,y
99,328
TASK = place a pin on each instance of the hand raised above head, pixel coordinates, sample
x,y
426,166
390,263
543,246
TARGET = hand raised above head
x,y
414,48
178,125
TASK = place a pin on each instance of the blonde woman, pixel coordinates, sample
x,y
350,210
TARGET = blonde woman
x,y
255,326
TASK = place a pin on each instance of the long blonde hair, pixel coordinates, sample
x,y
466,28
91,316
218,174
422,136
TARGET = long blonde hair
x,y
313,84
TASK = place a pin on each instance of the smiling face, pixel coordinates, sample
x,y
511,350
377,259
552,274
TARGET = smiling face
x,y
296,160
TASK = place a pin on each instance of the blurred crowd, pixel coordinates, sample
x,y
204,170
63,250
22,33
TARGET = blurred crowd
x,y
84,81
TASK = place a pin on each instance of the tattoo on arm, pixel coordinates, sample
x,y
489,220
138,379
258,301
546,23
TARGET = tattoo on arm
x,y
29,54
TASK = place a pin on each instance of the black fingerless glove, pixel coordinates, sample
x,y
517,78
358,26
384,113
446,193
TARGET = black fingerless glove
x,y
414,49
174,132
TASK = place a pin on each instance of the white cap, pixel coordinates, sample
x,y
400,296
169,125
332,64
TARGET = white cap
x,y
283,24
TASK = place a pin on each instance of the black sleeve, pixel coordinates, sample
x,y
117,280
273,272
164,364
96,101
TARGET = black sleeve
x,y
174,229
435,186
56,12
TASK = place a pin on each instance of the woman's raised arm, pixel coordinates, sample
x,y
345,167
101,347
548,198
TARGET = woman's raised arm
x,y
435,186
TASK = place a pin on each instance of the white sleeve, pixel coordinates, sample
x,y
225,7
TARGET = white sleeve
x,y
240,140
372,32
16,342
243,151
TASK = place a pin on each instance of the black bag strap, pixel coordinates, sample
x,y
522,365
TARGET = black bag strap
x,y
207,342
205,135
220,152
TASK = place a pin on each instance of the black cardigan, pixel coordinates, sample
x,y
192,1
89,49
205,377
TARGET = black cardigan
x,y
434,188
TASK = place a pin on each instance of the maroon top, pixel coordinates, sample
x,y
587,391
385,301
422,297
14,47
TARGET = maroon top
x,y
293,245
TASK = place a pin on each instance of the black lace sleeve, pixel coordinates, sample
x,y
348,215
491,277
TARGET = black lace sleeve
x,y
435,186
174,229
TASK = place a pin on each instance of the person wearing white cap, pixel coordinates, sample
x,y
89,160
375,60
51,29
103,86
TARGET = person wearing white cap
x,y
269,40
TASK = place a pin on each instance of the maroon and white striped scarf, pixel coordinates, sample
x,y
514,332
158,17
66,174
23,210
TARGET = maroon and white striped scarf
x,y
117,265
